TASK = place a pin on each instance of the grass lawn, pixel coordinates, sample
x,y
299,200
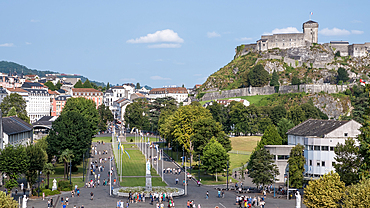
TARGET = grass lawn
x,y
252,99
140,181
236,160
244,143
134,166
211,179
105,139
129,145
59,171
75,181
152,139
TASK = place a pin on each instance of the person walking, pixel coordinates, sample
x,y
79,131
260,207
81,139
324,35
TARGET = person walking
x,y
207,195
92,196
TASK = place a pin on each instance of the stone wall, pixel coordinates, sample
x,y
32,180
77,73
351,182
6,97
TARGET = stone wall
x,y
268,90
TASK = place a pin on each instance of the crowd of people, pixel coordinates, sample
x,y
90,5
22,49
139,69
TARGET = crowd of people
x,y
248,201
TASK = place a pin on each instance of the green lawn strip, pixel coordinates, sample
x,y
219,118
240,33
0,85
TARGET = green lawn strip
x,y
252,99
105,139
151,139
129,145
211,179
75,181
140,181
136,165
236,160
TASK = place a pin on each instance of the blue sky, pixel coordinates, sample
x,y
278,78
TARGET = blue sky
x,y
159,42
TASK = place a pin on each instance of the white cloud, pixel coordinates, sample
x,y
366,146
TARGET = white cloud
x,y
159,78
33,20
357,32
165,45
28,43
244,39
7,45
334,32
282,30
213,34
159,36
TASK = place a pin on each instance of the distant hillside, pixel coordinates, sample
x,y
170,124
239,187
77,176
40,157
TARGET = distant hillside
x,y
6,67
316,64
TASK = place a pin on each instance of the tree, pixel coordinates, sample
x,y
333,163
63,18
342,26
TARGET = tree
x,y
70,131
105,115
327,191
214,157
263,170
348,161
58,86
108,86
296,115
50,85
221,115
87,108
239,118
206,128
342,75
138,85
270,137
296,163
15,100
78,84
12,112
258,76
277,113
357,195
137,115
37,158
87,84
283,126
48,170
296,80
13,161
65,158
364,139
264,123
274,79
7,201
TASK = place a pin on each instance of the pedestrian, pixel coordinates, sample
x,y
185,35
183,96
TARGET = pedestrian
x,y
219,193
49,203
223,194
67,200
92,196
207,195
62,200
177,181
16,191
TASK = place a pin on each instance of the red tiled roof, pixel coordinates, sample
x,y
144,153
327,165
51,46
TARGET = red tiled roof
x,y
53,92
17,90
85,90
169,90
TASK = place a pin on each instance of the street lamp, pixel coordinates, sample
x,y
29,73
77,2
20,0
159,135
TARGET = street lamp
x,y
70,171
199,169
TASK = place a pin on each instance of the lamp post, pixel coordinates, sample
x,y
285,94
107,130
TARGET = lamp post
x,y
70,171
38,189
199,168
83,167
227,177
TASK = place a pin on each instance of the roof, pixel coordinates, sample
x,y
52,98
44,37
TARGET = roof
x,y
61,91
309,22
139,94
168,90
45,121
62,97
53,92
17,89
317,128
37,91
32,84
85,90
339,42
15,125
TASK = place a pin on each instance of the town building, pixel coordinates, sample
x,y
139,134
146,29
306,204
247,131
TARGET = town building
x,y
320,138
3,94
57,104
15,132
89,93
178,93
38,104
42,126
281,155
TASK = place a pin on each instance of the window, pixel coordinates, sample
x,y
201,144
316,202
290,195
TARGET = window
x,y
310,162
331,148
316,147
318,163
345,134
323,163
311,147
325,148
283,157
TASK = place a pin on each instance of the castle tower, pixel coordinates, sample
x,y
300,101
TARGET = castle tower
x,y
310,31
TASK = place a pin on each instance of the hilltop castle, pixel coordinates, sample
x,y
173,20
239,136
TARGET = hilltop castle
x,y
307,38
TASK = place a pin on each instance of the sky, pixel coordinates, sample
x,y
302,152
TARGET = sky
x,y
160,43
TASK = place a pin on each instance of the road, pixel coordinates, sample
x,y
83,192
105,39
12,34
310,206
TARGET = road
x,y
102,198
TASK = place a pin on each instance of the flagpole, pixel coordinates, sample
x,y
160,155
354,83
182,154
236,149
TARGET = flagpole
x,y
110,176
162,167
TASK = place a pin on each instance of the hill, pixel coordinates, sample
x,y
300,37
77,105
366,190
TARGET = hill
x,y
6,67
316,64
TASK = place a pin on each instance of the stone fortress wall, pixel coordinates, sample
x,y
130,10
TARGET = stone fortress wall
x,y
268,90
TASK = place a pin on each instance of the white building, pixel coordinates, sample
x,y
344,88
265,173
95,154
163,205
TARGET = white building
x,y
320,138
3,94
38,104
178,93
15,132
115,93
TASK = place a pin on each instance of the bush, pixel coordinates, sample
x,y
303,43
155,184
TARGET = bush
x,y
63,185
131,140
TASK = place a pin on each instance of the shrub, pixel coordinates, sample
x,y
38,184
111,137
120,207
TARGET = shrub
x,y
131,140
63,185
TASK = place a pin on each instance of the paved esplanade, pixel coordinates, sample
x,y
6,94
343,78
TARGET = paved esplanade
x,y
102,198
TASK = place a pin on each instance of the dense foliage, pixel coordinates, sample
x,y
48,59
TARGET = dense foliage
x,y
15,100
296,163
105,115
214,157
262,168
